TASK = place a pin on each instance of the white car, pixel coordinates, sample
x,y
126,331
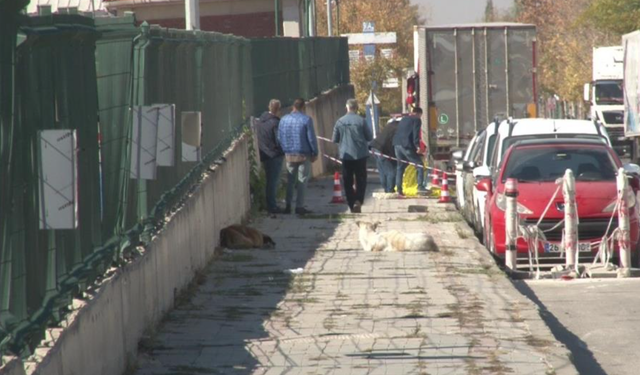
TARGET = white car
x,y
468,170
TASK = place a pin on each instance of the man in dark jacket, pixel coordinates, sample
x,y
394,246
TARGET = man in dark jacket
x,y
271,154
386,167
406,143
353,135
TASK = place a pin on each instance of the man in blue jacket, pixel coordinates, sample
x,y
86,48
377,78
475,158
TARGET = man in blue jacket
x,y
353,135
406,143
300,145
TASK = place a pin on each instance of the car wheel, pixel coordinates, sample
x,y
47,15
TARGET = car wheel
x,y
635,257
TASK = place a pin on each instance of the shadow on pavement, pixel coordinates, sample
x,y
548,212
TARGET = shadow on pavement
x,y
583,358
211,330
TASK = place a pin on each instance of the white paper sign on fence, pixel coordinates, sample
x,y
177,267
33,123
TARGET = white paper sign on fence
x,y
58,176
165,156
144,142
191,136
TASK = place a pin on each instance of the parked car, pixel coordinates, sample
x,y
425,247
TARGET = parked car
x,y
536,164
501,136
468,167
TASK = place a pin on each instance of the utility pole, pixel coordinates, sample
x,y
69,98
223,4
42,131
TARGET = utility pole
x,y
192,14
277,17
329,19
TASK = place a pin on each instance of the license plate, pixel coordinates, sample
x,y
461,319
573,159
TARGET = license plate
x,y
550,247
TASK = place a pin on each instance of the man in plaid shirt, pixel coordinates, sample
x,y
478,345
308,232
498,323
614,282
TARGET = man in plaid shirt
x,y
300,145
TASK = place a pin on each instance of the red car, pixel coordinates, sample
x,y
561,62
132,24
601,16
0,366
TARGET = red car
x,y
536,164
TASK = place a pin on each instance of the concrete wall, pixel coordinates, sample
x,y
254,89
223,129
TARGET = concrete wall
x,y
102,335
325,110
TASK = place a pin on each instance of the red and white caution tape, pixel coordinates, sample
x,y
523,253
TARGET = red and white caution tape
x,y
390,158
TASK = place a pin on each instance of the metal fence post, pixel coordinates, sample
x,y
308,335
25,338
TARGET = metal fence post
x,y
570,235
623,238
511,218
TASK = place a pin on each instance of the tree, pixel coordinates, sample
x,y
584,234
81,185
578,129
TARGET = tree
x,y
564,43
489,12
388,15
614,16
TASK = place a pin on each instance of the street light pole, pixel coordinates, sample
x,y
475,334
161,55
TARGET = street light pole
x,y
329,19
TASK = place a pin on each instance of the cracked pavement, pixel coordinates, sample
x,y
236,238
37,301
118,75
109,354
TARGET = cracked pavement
x,y
318,304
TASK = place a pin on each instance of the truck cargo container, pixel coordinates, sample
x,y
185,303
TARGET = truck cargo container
x,y
468,75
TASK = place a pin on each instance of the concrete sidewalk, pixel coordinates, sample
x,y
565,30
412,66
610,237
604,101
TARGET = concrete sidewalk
x,y
345,311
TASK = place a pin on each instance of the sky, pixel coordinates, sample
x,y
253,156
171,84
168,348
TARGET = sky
x,y
444,12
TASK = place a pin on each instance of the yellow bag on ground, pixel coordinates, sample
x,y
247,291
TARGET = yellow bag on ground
x,y
410,181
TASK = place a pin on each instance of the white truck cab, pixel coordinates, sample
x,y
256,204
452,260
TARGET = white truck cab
x,y
605,95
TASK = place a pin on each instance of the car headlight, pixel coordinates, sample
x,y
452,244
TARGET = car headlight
x,y
631,201
501,203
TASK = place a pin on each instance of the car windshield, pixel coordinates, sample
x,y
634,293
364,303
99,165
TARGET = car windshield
x,y
511,140
609,93
529,164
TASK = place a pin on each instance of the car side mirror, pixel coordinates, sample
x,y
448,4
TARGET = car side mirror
x,y
457,155
484,185
586,92
631,168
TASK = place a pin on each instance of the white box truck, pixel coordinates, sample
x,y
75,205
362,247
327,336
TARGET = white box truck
x,y
468,75
605,97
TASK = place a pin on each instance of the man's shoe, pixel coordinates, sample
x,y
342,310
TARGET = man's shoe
x,y
357,207
276,211
302,211
422,189
287,210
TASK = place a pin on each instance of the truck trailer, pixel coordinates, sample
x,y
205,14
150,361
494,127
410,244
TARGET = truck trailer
x,y
470,74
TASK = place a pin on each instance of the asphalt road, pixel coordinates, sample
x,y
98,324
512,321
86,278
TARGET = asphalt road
x,y
598,321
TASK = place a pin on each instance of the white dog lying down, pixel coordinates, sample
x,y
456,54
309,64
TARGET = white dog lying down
x,y
393,240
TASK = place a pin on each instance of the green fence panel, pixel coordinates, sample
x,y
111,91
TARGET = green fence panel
x,y
287,68
114,54
55,89
11,255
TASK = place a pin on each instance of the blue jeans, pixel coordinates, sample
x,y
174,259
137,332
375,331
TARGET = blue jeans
x,y
403,153
298,175
387,171
272,169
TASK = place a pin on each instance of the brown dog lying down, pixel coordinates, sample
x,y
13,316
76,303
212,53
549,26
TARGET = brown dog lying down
x,y
393,240
243,237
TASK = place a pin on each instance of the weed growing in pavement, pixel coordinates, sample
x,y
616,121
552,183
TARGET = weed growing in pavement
x,y
238,258
463,234
447,217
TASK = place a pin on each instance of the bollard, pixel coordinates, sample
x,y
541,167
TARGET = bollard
x,y
511,221
337,190
570,234
623,237
444,191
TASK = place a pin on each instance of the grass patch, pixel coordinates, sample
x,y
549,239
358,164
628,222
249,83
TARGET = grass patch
x,y
337,218
447,217
463,234
238,258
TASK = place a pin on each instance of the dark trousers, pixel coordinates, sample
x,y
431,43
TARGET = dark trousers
x,y
387,171
272,169
357,169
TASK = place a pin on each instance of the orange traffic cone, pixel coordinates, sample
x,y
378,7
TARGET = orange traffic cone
x,y
337,189
444,191
435,181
